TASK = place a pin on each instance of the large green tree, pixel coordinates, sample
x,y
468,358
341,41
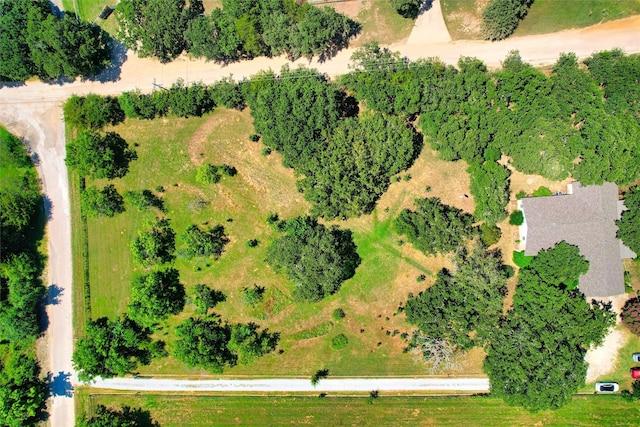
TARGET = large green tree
x,y
106,202
155,244
315,258
201,243
203,343
629,223
22,391
155,296
99,156
500,18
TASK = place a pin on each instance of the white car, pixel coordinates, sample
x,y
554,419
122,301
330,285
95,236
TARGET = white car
x,y
607,387
636,357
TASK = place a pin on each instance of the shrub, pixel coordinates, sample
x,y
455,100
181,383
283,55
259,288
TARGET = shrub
x,y
338,314
631,315
254,137
229,170
253,295
208,174
521,195
516,218
542,192
252,243
265,151
339,342
521,260
421,278
490,234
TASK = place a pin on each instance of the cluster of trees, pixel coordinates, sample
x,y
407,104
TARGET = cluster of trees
x,y
347,161
22,389
241,29
35,42
469,298
213,345
629,223
434,227
113,417
500,18
535,358
315,258
201,243
579,121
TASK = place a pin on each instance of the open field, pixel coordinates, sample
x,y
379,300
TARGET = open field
x,y
385,411
169,150
464,17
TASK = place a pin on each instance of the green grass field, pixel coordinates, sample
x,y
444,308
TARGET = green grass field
x,y
380,22
201,411
168,152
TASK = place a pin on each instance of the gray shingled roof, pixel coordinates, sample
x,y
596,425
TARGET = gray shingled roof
x,y
586,218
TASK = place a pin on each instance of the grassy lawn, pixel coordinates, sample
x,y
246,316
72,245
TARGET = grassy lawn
x,y
169,150
547,16
463,18
385,411
380,22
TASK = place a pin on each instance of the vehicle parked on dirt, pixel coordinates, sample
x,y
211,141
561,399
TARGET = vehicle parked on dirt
x,y
607,387
635,372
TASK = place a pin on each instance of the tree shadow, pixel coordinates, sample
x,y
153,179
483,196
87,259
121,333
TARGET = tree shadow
x,y
113,71
48,207
56,10
53,294
11,84
60,385
426,5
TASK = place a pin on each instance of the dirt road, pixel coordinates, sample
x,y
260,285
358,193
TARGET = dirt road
x,y
32,111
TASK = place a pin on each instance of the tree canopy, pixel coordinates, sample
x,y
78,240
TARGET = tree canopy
x,y
155,296
500,18
315,258
114,417
201,243
535,357
434,227
106,202
203,343
99,156
629,223
156,244
23,392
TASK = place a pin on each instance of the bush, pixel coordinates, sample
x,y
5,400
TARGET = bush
x,y
339,342
631,315
542,192
516,218
338,314
253,295
208,174
252,243
229,170
490,234
521,195
521,260
421,278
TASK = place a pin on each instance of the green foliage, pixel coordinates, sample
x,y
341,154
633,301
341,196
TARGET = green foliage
x,y
187,101
22,392
206,298
629,223
113,348
315,378
634,394
248,344
155,244
252,243
315,258
112,417
33,41
203,343
201,243
338,314
542,192
142,106
208,174
99,156
228,170
521,260
253,295
339,342
536,356
92,111
407,8
631,315
156,296
490,234
500,17
227,93
470,298
490,190
516,218
106,202
144,200
316,331
434,227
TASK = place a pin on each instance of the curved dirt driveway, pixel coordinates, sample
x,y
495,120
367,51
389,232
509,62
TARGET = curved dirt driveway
x,y
33,111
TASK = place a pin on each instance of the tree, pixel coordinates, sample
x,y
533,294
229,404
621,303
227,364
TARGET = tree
x,y
113,348
317,259
516,218
200,243
629,223
490,190
469,298
113,417
92,111
438,354
248,344
106,202
203,343
156,244
434,227
631,315
208,174
253,295
22,392
144,200
407,8
535,358
156,27
206,298
98,156
156,296
188,101
500,17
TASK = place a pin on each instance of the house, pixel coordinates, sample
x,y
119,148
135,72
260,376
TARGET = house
x,y
584,217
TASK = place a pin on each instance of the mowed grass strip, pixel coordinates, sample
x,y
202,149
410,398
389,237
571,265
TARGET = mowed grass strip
x,y
199,411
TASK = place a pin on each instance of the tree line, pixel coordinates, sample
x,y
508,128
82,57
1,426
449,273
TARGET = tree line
x,y
35,42
241,29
